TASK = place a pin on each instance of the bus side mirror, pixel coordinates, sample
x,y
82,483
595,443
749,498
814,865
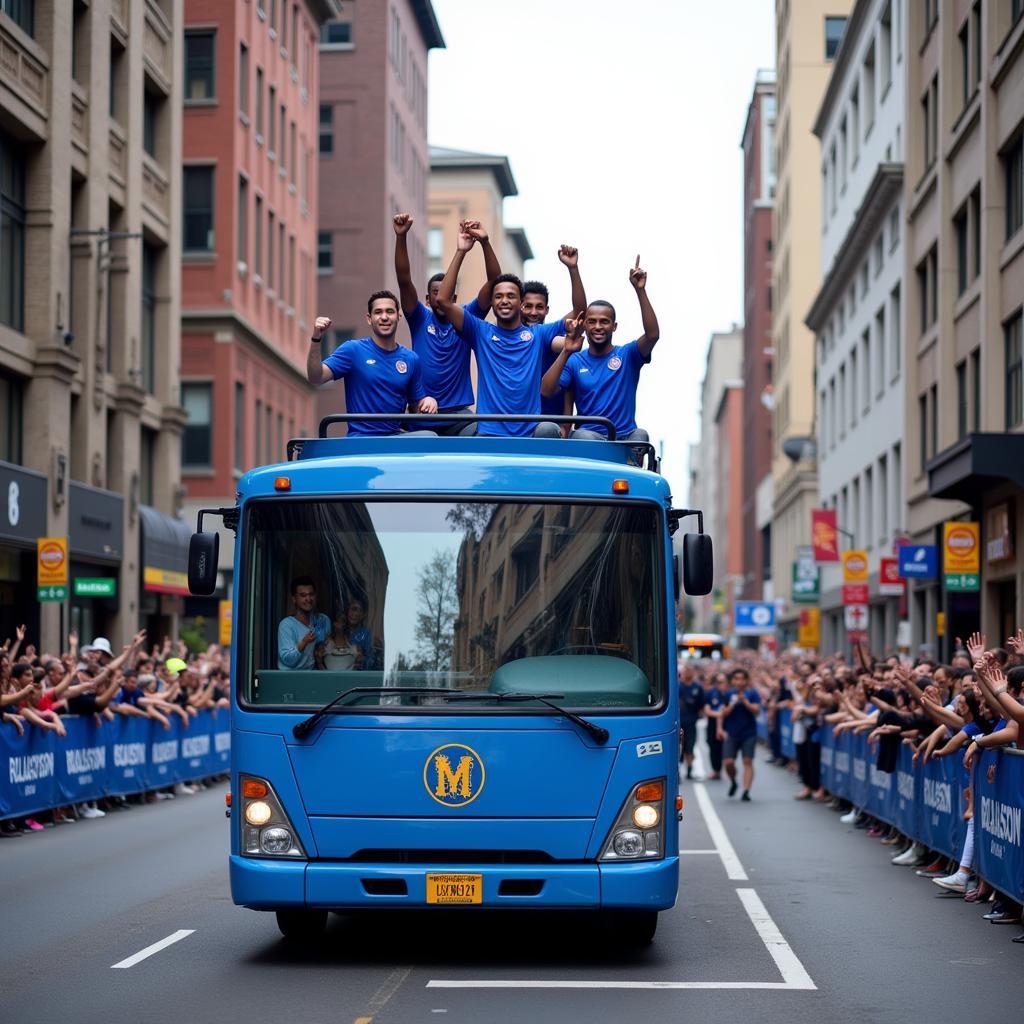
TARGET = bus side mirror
x,y
203,551
698,564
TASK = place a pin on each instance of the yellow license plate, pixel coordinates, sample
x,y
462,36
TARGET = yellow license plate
x,y
455,888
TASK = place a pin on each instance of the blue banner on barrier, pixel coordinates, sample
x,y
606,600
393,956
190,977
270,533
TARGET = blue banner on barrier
x,y
786,733
859,788
128,755
828,755
841,763
940,818
998,784
905,804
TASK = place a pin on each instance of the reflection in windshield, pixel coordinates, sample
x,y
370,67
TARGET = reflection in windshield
x,y
509,597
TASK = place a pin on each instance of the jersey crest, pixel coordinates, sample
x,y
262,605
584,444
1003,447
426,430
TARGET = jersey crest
x,y
400,366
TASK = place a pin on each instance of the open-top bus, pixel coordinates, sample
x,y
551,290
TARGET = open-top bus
x,y
505,733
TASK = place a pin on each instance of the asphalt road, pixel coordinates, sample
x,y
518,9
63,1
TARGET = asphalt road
x,y
784,914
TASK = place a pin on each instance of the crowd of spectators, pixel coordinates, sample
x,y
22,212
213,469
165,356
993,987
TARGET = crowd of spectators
x,y
162,681
938,710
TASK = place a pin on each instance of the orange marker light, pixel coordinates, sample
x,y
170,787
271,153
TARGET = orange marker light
x,y
649,791
227,799
254,789
679,803
282,483
620,487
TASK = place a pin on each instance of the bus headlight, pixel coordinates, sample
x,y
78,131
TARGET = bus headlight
x,y
639,830
266,830
258,812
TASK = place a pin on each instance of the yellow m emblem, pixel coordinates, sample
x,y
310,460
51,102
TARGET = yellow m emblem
x,y
454,775
453,783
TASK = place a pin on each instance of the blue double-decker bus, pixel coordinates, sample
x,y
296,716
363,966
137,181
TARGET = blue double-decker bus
x,y
490,717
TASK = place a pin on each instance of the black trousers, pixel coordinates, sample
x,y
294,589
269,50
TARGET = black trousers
x,y
714,749
808,756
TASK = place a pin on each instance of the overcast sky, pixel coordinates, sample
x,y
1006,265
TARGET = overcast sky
x,y
622,122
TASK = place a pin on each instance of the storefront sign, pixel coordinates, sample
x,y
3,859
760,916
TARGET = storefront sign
x,y
164,581
805,587
753,618
919,561
22,503
855,617
52,561
809,630
999,532
224,617
100,586
824,535
889,582
855,593
164,552
95,522
855,567
961,555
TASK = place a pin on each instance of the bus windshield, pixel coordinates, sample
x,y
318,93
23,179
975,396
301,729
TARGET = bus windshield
x,y
487,598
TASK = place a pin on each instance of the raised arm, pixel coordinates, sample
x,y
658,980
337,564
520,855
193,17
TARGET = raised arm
x,y
569,255
646,342
492,268
573,343
317,371
446,296
402,222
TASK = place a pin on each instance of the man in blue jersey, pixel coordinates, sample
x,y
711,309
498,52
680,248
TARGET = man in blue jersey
x,y
605,376
444,356
738,728
508,353
380,375
535,311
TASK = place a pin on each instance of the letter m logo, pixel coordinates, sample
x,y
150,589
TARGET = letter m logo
x,y
457,783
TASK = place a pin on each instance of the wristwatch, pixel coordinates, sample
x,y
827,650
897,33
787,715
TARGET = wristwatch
x,y
1003,690
315,341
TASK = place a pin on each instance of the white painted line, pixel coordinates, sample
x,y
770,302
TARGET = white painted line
x,y
143,954
733,867
691,853
792,971
771,985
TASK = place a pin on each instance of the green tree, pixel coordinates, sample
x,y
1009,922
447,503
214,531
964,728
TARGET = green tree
x,y
438,609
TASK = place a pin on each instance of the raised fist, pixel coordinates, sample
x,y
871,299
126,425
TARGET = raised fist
x,y
321,327
402,222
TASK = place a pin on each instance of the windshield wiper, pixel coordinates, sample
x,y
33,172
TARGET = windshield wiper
x,y
305,727
599,732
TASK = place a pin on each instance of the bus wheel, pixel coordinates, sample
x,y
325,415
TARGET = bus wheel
x,y
631,927
301,925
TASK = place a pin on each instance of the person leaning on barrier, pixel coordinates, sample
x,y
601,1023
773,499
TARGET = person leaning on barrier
x,y
380,375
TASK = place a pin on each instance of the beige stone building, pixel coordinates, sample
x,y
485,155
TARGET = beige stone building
x,y
807,37
472,186
964,195
90,419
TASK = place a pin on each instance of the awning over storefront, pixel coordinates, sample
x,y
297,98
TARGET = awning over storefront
x,y
95,525
164,552
974,464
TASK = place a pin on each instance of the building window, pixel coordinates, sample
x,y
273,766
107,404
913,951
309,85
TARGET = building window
x,y
239,455
259,106
896,324
22,13
885,48
148,347
922,426
243,79
962,251
269,276
243,220
12,234
197,440
931,16
324,252
976,32
257,239
880,352
834,28
257,435
147,466
435,248
198,209
961,399
337,33
894,229
869,90
271,122
282,141
1014,377
115,84
964,40
934,419
200,71
1013,170
11,407
976,230
326,129
976,390
339,336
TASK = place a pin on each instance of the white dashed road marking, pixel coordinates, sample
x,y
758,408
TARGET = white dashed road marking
x,y
144,954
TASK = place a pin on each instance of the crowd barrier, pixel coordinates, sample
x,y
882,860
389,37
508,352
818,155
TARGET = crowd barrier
x,y
926,802
784,723
42,770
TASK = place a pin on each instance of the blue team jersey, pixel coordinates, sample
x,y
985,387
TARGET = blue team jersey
x,y
605,385
555,405
691,700
444,356
741,724
376,380
509,362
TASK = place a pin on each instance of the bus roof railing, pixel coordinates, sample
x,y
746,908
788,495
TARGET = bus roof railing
x,y
646,450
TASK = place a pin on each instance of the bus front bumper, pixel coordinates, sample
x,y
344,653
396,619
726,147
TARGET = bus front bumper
x,y
264,884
